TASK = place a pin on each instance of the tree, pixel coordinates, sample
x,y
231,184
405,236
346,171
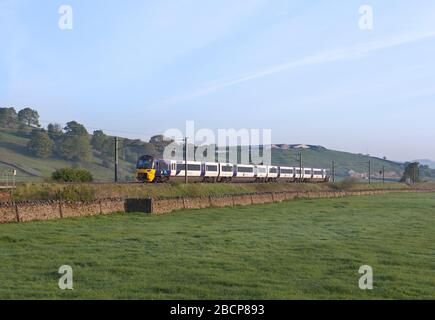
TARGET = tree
x,y
54,131
98,140
40,144
412,172
8,118
158,139
29,117
133,149
74,143
426,172
160,142
108,149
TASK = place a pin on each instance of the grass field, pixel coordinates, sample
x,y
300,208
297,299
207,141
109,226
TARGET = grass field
x,y
301,249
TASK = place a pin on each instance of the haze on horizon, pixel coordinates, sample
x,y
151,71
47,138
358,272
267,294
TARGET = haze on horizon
x,y
305,70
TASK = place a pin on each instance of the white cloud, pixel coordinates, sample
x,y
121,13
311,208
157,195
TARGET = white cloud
x,y
352,52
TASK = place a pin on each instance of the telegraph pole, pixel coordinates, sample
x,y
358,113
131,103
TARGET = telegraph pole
x,y
370,171
185,160
416,172
333,171
300,166
116,159
383,174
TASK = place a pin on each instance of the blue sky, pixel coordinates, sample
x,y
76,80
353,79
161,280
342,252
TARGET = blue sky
x,y
301,68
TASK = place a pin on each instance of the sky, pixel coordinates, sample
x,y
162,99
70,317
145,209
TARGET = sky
x,y
304,69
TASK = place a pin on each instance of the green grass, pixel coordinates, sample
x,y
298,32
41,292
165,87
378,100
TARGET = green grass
x,y
301,249
50,191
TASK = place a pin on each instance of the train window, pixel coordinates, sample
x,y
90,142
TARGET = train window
x,y
227,168
145,164
211,168
180,166
261,170
193,167
163,166
287,171
245,169
298,171
273,170
307,171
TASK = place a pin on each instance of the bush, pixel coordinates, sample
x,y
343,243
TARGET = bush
x,y
76,193
345,184
72,175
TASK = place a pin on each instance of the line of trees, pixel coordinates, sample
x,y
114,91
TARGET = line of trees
x,y
73,142
10,118
69,143
414,172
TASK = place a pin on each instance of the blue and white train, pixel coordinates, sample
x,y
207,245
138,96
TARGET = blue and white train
x,y
149,169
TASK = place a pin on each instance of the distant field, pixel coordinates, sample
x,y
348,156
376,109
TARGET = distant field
x,y
300,249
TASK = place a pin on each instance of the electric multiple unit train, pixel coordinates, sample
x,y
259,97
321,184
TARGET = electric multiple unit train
x,y
150,169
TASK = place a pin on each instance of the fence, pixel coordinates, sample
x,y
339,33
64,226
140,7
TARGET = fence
x,y
8,179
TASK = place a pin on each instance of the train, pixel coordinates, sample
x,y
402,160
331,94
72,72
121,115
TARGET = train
x,y
153,170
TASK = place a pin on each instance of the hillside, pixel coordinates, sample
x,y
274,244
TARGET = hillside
x,y
14,155
345,163
426,162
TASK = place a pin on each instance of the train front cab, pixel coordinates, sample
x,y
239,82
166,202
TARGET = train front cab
x,y
146,169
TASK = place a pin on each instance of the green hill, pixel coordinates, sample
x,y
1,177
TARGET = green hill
x,y
15,155
345,163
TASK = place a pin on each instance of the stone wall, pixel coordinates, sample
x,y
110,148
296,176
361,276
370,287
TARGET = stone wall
x,y
46,210
161,206
38,211
225,201
8,213
262,198
197,203
242,200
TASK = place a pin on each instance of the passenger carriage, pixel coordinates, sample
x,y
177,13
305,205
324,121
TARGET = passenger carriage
x,y
286,174
150,169
226,172
260,173
272,173
243,173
